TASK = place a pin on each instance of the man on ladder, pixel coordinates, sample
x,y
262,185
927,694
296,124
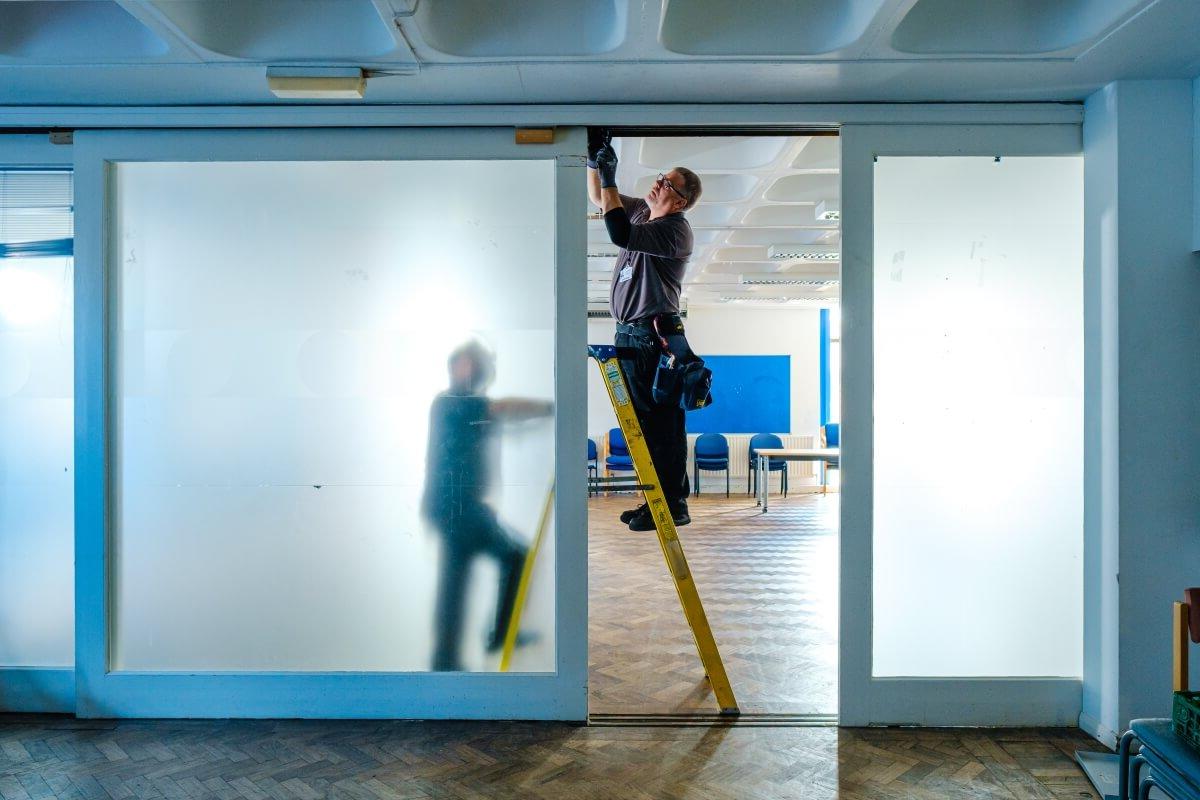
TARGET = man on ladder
x,y
655,242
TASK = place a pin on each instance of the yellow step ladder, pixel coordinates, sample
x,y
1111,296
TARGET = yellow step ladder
x,y
668,539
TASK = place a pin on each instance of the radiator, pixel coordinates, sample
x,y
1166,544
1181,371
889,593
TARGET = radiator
x,y
739,459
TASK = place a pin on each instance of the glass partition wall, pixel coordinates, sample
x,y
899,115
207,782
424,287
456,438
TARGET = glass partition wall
x,y
36,475
963,318
304,481
978,417
335,393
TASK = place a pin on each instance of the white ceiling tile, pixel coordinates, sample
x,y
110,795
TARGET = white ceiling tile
x,y
741,254
710,153
821,152
282,30
709,214
791,215
988,26
767,237
717,187
804,188
522,28
765,27
66,32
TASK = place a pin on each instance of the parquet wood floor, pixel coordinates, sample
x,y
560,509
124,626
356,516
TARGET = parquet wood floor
x,y
48,758
769,586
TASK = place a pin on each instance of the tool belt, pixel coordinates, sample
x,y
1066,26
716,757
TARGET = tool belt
x,y
681,378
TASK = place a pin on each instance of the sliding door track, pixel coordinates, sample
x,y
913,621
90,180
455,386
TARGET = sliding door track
x,y
742,720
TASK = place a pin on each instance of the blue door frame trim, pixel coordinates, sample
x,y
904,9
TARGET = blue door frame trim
x,y
824,380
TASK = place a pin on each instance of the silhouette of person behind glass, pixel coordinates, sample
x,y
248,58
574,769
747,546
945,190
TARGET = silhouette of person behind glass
x,y
463,424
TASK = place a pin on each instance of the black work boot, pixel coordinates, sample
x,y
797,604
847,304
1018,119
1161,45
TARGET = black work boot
x,y
626,516
644,521
679,513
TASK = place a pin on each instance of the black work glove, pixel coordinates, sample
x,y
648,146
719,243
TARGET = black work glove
x,y
606,165
597,138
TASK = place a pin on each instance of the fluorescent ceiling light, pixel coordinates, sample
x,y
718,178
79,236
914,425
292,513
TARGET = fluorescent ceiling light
x,y
316,83
771,299
829,210
803,252
747,281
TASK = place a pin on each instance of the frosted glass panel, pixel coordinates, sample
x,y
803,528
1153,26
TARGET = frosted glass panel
x,y
978,516
298,341
37,527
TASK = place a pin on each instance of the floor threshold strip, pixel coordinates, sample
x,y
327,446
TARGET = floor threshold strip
x,y
711,720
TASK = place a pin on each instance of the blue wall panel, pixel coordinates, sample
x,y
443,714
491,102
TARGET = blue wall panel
x,y
751,394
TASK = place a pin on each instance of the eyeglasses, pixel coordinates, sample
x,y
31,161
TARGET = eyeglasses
x,y
662,181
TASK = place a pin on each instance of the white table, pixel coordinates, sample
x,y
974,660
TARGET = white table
x,y
826,455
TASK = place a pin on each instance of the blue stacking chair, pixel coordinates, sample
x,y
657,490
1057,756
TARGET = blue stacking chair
x,y
766,441
831,435
711,453
593,464
618,459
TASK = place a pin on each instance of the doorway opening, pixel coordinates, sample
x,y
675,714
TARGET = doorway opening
x,y
760,302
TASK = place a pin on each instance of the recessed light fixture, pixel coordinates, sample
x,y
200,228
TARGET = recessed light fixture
x,y
316,83
803,252
829,210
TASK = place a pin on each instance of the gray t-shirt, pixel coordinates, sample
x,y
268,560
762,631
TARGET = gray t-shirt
x,y
648,275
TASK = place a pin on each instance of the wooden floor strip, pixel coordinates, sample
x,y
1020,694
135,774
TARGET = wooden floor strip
x,y
54,759
768,583
726,720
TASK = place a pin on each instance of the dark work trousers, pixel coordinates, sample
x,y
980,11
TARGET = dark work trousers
x,y
469,531
662,426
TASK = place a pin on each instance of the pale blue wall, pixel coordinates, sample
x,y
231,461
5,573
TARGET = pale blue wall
x,y
1143,283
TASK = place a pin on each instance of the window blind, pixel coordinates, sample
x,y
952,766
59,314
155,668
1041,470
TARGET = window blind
x,y
36,213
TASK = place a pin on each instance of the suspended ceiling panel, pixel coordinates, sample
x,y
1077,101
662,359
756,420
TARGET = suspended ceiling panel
x,y
522,28
765,27
281,30
711,214
805,189
718,187
701,153
741,254
783,236
1010,27
68,32
785,215
821,153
